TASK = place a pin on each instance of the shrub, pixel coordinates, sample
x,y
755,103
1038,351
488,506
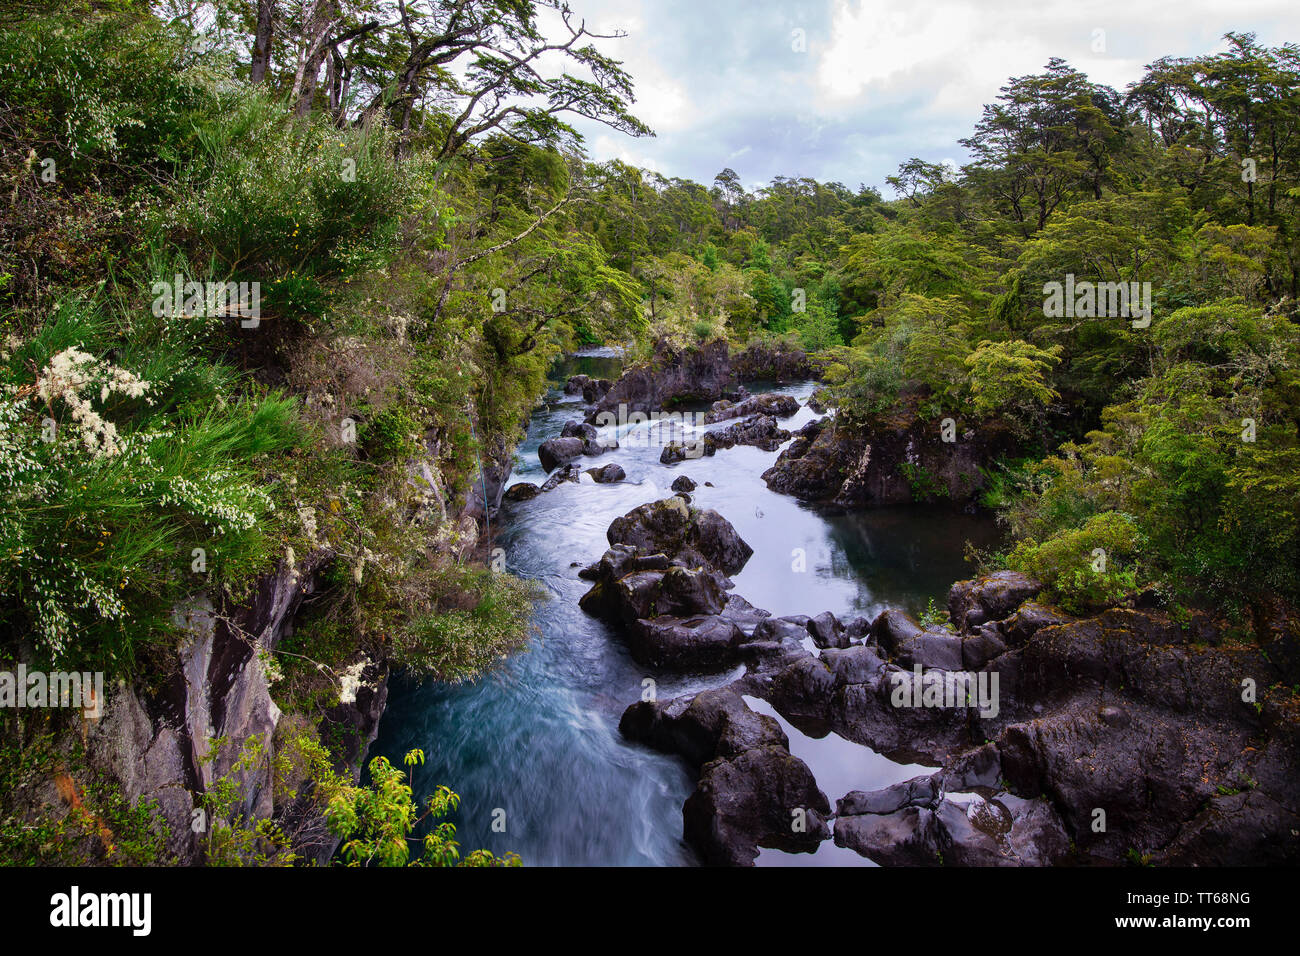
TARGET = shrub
x,y
1087,568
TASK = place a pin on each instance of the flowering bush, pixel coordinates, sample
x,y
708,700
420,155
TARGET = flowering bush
x,y
121,496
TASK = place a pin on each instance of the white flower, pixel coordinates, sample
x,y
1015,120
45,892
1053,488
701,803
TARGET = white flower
x,y
72,372
350,682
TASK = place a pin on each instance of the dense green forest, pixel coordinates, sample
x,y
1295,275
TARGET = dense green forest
x,y
405,184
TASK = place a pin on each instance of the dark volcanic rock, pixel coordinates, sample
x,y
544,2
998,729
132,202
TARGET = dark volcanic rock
x,y
990,598
559,451
607,474
917,792
1022,625
579,430
575,384
763,797
713,723
596,389
886,463
670,378
761,431
670,526
648,593
909,644
522,491
567,473
985,645
908,837
769,404
827,631
772,363
695,643
780,628
682,483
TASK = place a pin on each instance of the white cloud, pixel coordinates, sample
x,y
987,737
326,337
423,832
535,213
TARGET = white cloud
x,y
880,81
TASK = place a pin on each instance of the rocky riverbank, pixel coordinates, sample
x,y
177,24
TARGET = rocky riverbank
x,y
1126,736
1105,739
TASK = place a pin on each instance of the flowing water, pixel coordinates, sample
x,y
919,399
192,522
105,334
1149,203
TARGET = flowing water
x,y
534,747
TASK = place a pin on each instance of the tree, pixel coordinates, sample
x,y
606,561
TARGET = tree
x,y
1048,137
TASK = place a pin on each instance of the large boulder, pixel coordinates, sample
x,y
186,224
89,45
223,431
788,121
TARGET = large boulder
x,y
521,491
555,452
827,631
671,527
685,644
763,797
713,723
989,598
909,644
607,474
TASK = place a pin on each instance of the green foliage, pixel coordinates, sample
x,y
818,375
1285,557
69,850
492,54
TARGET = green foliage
x,y
459,642
376,822
97,541
1011,376
94,824
1085,568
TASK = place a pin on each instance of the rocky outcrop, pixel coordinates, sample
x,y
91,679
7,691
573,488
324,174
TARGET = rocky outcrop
x,y
669,379
692,536
751,791
886,463
664,582
708,373
769,404
776,363
173,744
1103,737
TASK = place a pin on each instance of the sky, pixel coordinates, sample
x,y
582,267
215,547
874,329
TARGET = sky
x,y
846,90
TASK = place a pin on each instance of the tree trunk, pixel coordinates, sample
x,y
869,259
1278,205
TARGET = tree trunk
x,y
262,41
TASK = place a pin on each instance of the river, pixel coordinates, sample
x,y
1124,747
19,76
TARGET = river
x,y
538,738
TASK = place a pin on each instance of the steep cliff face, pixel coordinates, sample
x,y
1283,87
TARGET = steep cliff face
x,y
172,745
